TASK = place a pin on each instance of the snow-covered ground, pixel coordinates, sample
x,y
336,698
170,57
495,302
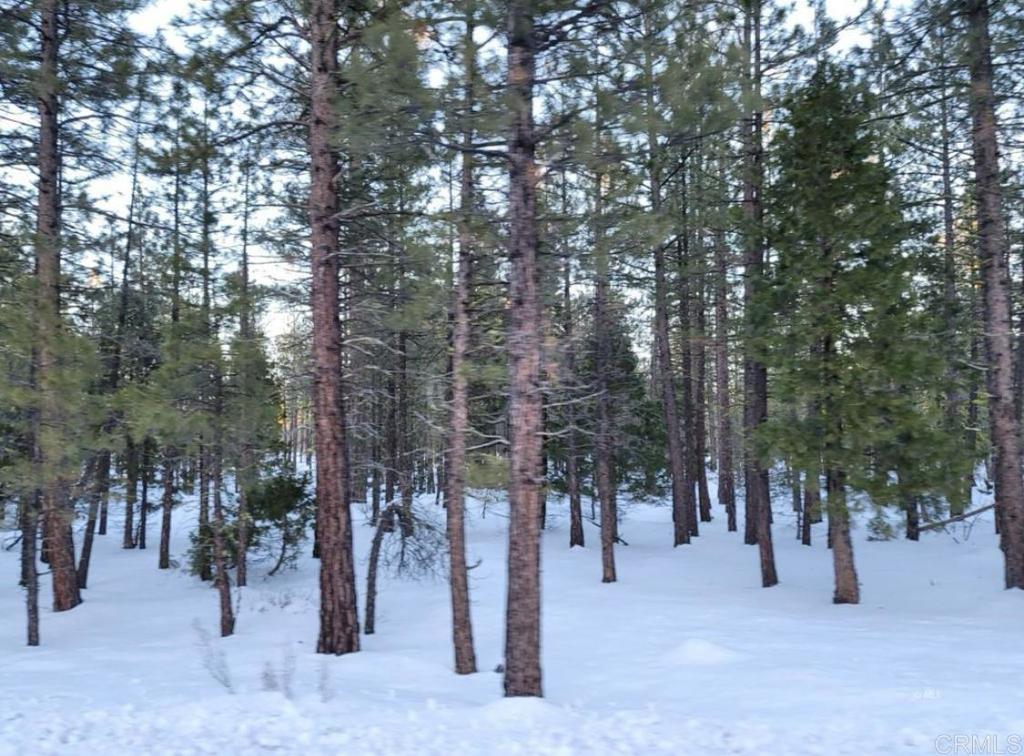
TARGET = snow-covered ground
x,y
685,654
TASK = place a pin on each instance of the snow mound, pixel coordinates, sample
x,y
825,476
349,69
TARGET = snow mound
x,y
699,652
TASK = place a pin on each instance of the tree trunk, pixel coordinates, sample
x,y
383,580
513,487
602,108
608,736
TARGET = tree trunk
x,y
95,495
951,306
455,474
847,589
913,518
755,374
1005,430
700,417
339,623
387,516
726,476
222,579
29,516
676,453
522,621
166,503
572,475
132,453
247,459
811,505
404,453
686,379
603,476
56,507
375,460
204,546
144,501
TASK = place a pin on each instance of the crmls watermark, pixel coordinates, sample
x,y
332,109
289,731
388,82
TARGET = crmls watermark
x,y
989,744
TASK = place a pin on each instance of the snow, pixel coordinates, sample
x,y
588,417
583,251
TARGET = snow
x,y
685,654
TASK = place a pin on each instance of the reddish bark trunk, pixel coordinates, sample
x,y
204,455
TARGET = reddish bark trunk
x,y
847,589
56,508
1005,429
522,621
339,623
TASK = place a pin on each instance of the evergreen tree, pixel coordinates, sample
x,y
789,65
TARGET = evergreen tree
x,y
847,335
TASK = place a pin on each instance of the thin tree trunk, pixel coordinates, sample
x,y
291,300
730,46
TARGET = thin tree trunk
x,y
726,476
572,475
676,452
603,476
686,379
404,454
375,460
132,453
95,495
954,392
758,494
144,501
388,515
204,545
166,504
522,621
700,419
222,579
29,516
246,459
339,623
455,474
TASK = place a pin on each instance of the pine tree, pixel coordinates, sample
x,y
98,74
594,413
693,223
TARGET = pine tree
x,y
842,304
1003,417
339,625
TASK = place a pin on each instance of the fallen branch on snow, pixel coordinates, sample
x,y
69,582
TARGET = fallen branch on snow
x,y
964,516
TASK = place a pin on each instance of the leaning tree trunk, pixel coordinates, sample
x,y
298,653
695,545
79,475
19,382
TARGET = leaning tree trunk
x,y
339,623
370,613
522,619
95,496
1005,429
458,424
